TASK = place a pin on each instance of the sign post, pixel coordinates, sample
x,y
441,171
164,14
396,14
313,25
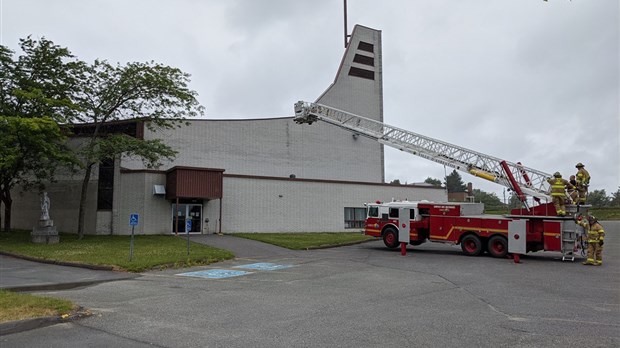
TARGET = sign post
x,y
188,227
133,222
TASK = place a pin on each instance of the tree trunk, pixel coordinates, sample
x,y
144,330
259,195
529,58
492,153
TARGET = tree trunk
x,y
83,194
8,202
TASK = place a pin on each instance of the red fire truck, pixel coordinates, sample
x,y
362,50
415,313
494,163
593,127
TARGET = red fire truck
x,y
465,224
533,227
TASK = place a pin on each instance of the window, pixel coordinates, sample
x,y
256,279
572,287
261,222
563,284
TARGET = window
x,y
373,211
394,213
365,46
105,186
363,73
354,217
358,58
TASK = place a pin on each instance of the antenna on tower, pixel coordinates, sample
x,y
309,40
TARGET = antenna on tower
x,y
346,32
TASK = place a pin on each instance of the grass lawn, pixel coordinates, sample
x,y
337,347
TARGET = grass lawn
x,y
149,251
16,306
303,241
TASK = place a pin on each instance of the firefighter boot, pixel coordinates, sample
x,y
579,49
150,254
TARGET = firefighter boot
x,y
590,259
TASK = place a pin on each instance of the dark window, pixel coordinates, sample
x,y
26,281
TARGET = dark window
x,y
354,217
363,73
373,211
358,58
105,187
412,214
365,46
394,212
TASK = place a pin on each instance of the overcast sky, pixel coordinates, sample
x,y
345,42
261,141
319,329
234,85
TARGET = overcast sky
x,y
523,80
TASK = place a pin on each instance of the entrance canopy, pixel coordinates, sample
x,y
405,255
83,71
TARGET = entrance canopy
x,y
191,182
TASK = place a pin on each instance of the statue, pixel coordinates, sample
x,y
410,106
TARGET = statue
x,y
45,207
45,232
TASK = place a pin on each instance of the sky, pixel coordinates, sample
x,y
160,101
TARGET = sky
x,y
523,80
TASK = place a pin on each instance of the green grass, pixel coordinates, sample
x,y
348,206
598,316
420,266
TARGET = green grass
x,y
606,213
15,306
149,252
303,241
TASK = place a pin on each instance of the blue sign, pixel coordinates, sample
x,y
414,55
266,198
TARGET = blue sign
x,y
188,225
133,219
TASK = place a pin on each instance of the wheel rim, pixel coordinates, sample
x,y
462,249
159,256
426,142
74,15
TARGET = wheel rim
x,y
470,245
390,238
498,247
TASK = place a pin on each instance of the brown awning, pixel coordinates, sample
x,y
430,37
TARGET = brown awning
x,y
190,182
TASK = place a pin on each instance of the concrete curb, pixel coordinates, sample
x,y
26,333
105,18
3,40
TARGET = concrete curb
x,y
12,327
60,263
63,286
341,245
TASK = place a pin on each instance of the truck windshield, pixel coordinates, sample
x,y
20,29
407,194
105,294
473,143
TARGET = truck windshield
x,y
373,211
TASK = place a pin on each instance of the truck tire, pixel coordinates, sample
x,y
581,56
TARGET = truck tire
x,y
471,245
390,238
498,246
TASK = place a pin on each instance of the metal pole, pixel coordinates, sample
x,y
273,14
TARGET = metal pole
x,y
187,240
220,227
131,244
176,217
346,34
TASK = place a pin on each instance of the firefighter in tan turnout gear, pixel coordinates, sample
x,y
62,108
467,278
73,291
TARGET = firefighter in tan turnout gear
x,y
583,181
558,192
596,236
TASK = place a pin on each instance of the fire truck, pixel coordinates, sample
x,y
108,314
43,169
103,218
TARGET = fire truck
x,y
533,227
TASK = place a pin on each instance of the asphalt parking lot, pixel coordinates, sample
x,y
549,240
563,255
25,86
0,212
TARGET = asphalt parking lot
x,y
357,296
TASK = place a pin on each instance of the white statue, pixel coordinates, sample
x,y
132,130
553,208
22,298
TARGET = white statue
x,y
45,207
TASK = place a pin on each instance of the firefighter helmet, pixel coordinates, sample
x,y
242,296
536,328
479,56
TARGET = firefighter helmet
x,y
579,165
592,219
557,174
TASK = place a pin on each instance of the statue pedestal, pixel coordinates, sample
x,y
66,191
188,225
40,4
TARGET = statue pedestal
x,y
44,233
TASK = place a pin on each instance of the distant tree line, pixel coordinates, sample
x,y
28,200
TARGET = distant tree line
x,y
454,183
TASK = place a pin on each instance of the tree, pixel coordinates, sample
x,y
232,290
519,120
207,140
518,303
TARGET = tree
x,y
31,149
395,182
153,92
454,183
615,199
598,199
433,181
490,200
34,95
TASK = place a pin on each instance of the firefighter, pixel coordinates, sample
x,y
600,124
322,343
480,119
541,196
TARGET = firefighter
x,y
573,193
596,235
558,192
583,181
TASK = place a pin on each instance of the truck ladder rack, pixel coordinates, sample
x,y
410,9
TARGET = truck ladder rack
x,y
523,180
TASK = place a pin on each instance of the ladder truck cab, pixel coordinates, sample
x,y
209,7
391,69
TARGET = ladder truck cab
x,y
465,224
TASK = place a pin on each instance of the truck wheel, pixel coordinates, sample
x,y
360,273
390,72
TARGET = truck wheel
x,y
471,245
498,246
390,238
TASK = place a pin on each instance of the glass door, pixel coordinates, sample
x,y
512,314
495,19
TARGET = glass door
x,y
183,213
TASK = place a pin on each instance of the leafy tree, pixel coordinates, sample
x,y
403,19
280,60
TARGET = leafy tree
x,y
31,149
598,198
36,84
433,181
454,182
615,199
490,200
153,92
395,182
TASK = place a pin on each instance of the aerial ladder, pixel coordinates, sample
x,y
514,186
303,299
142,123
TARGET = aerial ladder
x,y
524,181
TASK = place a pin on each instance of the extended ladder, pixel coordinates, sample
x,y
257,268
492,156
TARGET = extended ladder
x,y
523,180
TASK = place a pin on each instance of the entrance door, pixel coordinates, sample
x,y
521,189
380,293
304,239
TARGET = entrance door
x,y
185,212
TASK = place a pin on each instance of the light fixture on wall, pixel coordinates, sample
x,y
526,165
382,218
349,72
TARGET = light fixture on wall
x,y
159,189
